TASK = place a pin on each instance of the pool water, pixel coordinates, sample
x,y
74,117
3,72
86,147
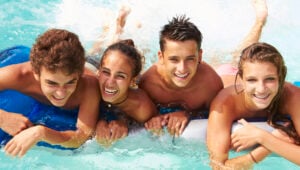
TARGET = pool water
x,y
223,25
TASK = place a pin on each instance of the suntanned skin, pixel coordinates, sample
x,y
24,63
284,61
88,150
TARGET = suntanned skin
x,y
180,77
116,80
163,94
74,91
224,111
134,102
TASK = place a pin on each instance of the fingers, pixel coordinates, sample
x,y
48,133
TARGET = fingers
x,y
243,122
103,133
177,124
13,149
155,125
165,119
117,134
176,127
183,125
118,129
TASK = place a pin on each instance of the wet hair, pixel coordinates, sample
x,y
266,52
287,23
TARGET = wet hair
x,y
127,48
263,52
180,29
58,50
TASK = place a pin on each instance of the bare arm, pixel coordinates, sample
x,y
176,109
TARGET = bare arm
x,y
290,151
87,116
86,122
218,132
269,142
223,112
11,76
13,123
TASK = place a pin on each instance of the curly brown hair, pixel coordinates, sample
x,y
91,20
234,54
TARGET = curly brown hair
x,y
58,50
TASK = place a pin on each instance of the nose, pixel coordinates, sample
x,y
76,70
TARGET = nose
x,y
61,92
261,87
110,80
181,67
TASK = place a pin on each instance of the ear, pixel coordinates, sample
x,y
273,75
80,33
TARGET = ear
x,y
200,55
133,82
160,57
36,76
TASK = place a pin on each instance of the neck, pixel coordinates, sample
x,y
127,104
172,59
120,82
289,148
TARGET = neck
x,y
119,103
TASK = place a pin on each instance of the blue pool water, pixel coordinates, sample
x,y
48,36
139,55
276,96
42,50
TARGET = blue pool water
x,y
223,25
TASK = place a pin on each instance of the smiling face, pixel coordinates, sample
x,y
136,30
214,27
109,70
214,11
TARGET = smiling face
x,y
180,62
58,86
261,83
115,76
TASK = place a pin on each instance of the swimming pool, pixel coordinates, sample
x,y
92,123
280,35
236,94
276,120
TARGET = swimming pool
x,y
223,25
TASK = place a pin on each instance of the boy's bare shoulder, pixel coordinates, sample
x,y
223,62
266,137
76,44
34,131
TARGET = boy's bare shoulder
x,y
90,82
149,77
12,75
207,75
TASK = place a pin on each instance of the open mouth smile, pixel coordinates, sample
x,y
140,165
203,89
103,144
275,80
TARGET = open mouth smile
x,y
181,75
110,91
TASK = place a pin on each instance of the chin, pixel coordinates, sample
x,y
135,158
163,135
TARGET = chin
x,y
180,84
108,99
58,104
262,106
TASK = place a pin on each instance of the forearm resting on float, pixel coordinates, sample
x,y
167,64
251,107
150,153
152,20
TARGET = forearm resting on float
x,y
248,160
245,161
68,139
219,142
290,151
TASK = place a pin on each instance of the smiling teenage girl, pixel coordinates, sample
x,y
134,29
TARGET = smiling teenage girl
x,y
263,92
119,67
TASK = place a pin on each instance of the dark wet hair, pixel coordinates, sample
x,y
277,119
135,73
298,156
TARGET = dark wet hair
x,y
263,52
180,29
126,47
58,50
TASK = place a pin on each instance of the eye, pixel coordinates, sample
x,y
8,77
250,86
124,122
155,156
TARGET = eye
x,y
191,59
72,82
250,80
105,72
270,79
121,76
51,83
172,59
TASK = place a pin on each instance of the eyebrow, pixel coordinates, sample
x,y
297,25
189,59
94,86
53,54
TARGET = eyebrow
x,y
175,56
118,72
54,82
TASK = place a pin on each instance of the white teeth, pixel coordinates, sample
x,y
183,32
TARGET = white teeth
x,y
182,75
110,91
262,97
56,98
